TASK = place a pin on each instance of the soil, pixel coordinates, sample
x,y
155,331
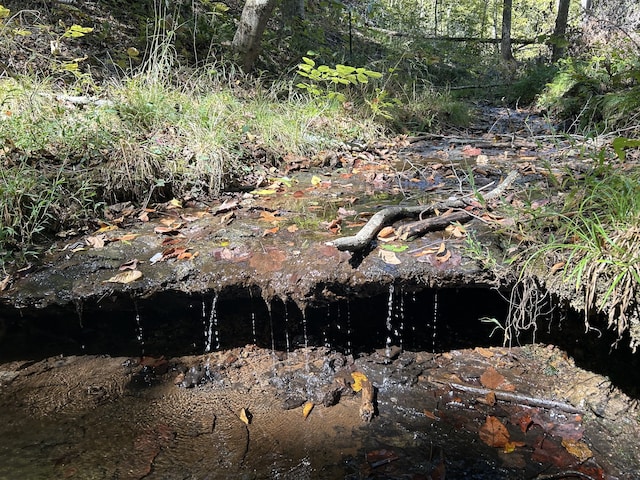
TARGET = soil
x,y
157,418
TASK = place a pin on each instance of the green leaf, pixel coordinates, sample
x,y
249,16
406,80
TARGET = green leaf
x,y
394,248
619,145
305,68
362,78
75,31
344,69
4,12
308,61
324,68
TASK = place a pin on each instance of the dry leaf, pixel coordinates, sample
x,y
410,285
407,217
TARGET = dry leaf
x,y
107,228
490,398
96,241
494,433
292,228
5,283
306,410
485,352
130,265
245,416
358,378
127,238
386,232
556,267
389,257
578,449
126,277
270,231
491,378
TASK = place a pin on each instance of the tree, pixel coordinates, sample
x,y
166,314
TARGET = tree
x,y
559,40
253,21
505,44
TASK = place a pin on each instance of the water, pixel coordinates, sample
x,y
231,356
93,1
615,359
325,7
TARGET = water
x,y
211,325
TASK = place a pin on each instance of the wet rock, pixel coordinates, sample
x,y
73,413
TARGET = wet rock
x,y
290,403
194,376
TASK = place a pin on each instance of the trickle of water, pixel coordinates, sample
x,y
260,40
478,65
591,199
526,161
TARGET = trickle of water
x,y
211,325
286,327
434,323
325,329
139,334
389,321
399,315
253,328
79,310
304,327
349,345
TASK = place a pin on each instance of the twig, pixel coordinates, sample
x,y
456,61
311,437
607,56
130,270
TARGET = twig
x,y
512,397
388,215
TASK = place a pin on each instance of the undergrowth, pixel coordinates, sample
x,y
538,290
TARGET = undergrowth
x,y
588,248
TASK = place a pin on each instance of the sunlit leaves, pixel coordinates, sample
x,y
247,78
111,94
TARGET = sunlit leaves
x,y
75,31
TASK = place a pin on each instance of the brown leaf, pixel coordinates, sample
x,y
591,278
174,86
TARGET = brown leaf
x,y
494,433
4,283
130,265
267,261
386,232
389,257
491,378
556,267
292,228
485,352
490,398
125,277
270,231
96,241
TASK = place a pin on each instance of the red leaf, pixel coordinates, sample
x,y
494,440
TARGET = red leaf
x,y
494,433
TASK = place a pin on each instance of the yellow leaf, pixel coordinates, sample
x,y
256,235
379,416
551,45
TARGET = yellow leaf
x,y
316,180
358,378
175,203
306,410
126,277
245,416
107,228
578,449
4,12
132,52
264,191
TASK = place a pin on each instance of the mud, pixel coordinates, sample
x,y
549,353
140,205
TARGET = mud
x,y
148,417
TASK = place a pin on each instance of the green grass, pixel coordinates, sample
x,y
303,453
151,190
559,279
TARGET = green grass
x,y
589,232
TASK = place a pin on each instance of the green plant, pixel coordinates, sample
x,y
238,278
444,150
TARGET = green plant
x,y
591,238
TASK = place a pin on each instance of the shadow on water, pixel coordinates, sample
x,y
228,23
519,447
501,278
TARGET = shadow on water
x,y
415,319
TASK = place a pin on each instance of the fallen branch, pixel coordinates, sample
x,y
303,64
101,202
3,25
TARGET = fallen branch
x,y
512,397
367,410
388,215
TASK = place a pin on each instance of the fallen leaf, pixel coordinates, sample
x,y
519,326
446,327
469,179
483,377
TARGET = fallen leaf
x,y
107,228
245,416
494,433
358,378
292,228
156,258
125,277
316,180
270,217
306,410
490,378
5,283
457,230
485,352
270,231
578,449
96,241
267,261
394,248
174,203
430,414
386,232
490,398
389,257
127,237
556,267
264,191
130,265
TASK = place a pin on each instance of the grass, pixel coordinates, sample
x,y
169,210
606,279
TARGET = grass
x,y
588,237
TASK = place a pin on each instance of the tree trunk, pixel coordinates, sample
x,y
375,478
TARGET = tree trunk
x,y
253,21
559,39
505,44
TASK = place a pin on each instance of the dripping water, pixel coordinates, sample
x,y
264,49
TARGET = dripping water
x,y
139,334
349,345
253,319
211,325
286,327
389,321
434,323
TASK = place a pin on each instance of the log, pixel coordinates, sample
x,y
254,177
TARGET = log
x,y
360,240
